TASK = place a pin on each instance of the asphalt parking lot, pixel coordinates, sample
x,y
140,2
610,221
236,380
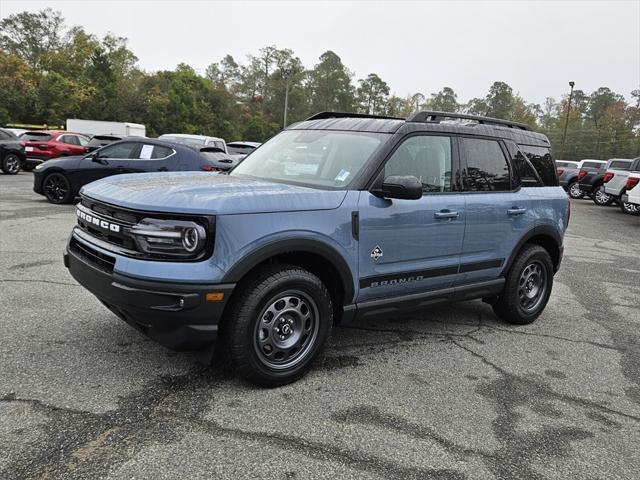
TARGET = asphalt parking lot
x,y
449,393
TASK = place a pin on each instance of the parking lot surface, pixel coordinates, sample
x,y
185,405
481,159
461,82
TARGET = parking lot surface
x,y
446,393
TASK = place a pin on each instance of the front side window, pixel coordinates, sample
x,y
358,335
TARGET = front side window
x,y
487,168
124,150
70,140
426,157
83,141
323,158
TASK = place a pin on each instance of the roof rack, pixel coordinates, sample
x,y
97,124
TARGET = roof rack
x,y
325,115
437,117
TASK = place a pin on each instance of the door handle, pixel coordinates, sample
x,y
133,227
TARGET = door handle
x,y
516,211
446,214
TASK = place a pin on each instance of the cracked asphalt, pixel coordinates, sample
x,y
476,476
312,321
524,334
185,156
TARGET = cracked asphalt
x,y
447,393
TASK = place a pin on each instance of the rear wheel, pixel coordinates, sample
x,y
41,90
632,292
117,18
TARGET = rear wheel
x,y
601,198
10,164
278,325
57,189
574,190
630,208
527,287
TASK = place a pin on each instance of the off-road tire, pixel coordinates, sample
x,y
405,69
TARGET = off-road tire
x,y
247,314
509,305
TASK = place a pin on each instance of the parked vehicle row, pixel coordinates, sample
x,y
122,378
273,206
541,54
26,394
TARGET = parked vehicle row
x,y
605,182
32,148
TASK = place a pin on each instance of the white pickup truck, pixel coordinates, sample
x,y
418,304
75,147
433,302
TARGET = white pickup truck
x,y
632,194
615,179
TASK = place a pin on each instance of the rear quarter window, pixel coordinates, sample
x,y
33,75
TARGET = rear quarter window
x,y
620,165
540,158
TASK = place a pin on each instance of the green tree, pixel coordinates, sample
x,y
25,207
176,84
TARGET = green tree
x,y
445,100
329,85
32,36
371,94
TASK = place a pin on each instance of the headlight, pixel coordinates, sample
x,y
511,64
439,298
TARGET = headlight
x,y
39,166
169,238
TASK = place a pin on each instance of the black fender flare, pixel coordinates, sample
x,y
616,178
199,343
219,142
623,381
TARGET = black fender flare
x,y
545,230
295,245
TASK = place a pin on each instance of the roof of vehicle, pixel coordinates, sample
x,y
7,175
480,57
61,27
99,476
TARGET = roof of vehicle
x,y
52,132
244,144
425,121
188,135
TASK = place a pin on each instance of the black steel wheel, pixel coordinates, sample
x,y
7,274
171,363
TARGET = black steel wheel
x,y
527,287
277,324
286,330
10,164
57,189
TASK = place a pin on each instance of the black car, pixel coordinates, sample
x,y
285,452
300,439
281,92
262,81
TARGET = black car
x,y
221,162
98,141
12,156
61,179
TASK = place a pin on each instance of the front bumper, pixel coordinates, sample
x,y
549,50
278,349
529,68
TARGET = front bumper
x,y
176,315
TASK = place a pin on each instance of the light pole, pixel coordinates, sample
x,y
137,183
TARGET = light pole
x,y
566,122
286,74
417,98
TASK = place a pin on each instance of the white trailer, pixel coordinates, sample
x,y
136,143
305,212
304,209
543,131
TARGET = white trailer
x,y
99,127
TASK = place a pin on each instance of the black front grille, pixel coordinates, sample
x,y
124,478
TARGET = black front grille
x,y
91,256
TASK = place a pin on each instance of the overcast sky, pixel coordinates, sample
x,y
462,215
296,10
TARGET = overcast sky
x,y
536,47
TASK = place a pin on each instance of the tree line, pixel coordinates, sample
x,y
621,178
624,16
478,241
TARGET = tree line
x,y
50,72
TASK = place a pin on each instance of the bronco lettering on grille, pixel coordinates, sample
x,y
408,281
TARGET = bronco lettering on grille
x,y
90,219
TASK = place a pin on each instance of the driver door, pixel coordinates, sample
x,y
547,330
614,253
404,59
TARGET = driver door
x,y
107,161
409,246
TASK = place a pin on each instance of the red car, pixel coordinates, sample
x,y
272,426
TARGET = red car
x,y
47,144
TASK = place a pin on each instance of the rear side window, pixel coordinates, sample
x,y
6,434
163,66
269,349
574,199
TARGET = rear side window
x,y
70,139
487,169
620,165
596,165
540,158
35,137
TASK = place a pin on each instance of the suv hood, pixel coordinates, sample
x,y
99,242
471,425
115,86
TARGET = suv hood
x,y
208,193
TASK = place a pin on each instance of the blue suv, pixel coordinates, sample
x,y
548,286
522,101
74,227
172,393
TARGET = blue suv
x,y
338,217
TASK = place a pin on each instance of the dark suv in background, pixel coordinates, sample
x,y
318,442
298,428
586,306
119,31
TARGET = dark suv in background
x,y
12,156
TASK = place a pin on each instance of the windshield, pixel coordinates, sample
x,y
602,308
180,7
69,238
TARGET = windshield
x,y
194,142
324,158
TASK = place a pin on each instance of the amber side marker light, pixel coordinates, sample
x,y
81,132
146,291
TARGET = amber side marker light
x,y
215,296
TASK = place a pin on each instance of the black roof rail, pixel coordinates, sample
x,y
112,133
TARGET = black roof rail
x,y
437,117
325,115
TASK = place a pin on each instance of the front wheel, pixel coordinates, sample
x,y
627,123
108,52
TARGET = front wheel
x,y
278,325
10,164
57,189
527,288
601,198
575,191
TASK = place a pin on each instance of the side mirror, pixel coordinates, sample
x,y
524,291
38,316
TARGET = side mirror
x,y
404,187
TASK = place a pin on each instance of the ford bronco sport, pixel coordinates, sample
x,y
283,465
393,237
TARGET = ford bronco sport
x,y
338,217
